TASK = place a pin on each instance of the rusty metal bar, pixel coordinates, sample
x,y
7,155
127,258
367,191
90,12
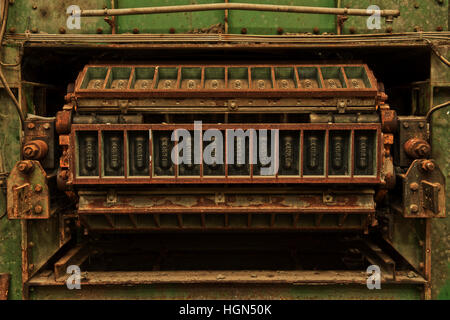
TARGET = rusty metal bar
x,y
75,256
4,285
234,6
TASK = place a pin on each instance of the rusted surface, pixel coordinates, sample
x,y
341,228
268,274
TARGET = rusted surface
x,y
423,191
417,148
28,192
35,150
4,285
388,120
63,121
176,91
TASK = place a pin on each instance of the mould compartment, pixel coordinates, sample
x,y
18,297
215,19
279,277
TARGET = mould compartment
x,y
118,78
214,78
191,78
138,153
186,152
333,77
309,78
113,164
339,153
357,77
94,78
87,153
285,78
212,149
261,78
365,153
162,149
143,78
238,78
313,153
167,78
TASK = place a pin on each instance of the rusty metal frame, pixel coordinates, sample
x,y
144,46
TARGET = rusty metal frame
x,y
151,179
274,92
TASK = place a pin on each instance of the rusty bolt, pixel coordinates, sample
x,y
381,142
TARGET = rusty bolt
x,y
135,30
99,30
416,29
62,30
30,126
389,29
172,30
414,208
46,126
12,30
280,30
316,30
421,125
352,30
421,265
405,125
414,186
244,30
25,166
439,28
38,188
428,165
38,209
417,148
36,149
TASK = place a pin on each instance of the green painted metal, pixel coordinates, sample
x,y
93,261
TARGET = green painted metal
x,y
232,291
49,16
10,231
425,15
440,142
163,23
257,22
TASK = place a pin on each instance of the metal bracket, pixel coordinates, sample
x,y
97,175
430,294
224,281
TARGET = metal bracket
x,y
28,192
423,191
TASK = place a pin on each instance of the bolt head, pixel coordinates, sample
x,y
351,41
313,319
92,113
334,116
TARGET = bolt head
x,y
405,125
414,208
30,126
428,165
62,30
38,188
38,209
46,126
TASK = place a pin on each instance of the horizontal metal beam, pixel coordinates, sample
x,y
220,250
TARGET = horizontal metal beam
x,y
234,6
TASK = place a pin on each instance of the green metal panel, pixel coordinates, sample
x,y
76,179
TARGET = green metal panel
x,y
163,23
258,22
232,291
49,16
426,15
440,142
